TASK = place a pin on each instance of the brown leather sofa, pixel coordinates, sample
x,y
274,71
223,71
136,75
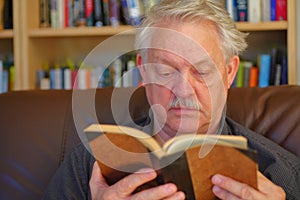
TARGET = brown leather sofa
x,y
38,130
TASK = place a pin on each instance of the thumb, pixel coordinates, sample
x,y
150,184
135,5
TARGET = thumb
x,y
97,180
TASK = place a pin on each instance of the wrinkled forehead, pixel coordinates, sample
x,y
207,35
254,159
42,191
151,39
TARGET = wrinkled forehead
x,y
162,41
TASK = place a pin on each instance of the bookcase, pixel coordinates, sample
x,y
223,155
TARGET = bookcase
x,y
33,46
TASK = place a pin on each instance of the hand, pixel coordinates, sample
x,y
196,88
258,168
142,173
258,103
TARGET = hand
x,y
123,189
227,188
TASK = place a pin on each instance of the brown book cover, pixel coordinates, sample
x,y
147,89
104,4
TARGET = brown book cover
x,y
188,160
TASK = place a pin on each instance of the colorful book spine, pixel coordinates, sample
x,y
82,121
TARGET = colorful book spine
x,y
242,10
240,75
273,10
284,71
66,13
53,13
231,9
44,14
89,12
105,4
71,18
254,11
266,10
81,20
60,13
117,72
281,10
136,11
114,11
264,70
247,67
1,12
1,76
253,80
98,14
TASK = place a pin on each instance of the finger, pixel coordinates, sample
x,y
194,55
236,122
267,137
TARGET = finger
x,y
128,184
177,196
159,192
223,194
97,181
236,188
268,187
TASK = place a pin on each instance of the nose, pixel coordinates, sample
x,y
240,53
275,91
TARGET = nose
x,y
184,86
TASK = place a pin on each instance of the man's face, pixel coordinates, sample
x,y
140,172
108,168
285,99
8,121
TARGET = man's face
x,y
185,78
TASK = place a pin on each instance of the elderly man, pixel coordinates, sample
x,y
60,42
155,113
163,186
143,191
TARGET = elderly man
x,y
188,58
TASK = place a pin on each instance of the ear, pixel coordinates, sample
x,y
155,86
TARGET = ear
x,y
139,62
232,69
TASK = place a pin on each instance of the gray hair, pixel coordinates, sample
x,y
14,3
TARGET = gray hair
x,y
232,40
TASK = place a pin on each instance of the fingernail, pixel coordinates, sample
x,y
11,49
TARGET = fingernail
x,y
145,170
216,189
171,188
216,179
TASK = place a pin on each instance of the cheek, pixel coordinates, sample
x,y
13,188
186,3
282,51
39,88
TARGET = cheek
x,y
158,95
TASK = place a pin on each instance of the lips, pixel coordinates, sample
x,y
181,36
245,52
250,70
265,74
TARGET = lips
x,y
184,111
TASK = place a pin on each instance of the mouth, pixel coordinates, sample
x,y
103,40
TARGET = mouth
x,y
182,110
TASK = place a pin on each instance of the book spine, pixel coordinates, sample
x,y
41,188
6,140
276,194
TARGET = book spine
x,y
82,79
247,68
8,14
281,10
114,10
117,72
81,20
66,13
242,10
44,14
253,81
12,78
67,79
266,10
105,4
273,10
125,11
60,13
98,14
254,11
274,54
71,20
57,78
240,75
136,11
1,14
264,70
1,76
284,70
53,14
231,9
89,12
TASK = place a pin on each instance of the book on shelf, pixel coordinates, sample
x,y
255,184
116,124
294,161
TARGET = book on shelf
x,y
266,10
197,157
242,10
264,70
281,10
8,14
254,11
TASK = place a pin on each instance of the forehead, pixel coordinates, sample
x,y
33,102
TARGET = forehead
x,y
190,40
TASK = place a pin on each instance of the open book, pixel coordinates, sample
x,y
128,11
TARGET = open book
x,y
187,160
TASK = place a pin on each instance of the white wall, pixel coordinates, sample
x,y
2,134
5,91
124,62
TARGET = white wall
x,y
298,40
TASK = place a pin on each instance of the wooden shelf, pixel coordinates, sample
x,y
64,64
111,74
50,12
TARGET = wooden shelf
x,y
6,33
80,31
262,26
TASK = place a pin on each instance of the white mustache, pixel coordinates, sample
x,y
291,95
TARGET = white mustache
x,y
187,102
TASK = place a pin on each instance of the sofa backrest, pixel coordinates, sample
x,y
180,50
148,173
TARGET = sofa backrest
x,y
38,129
